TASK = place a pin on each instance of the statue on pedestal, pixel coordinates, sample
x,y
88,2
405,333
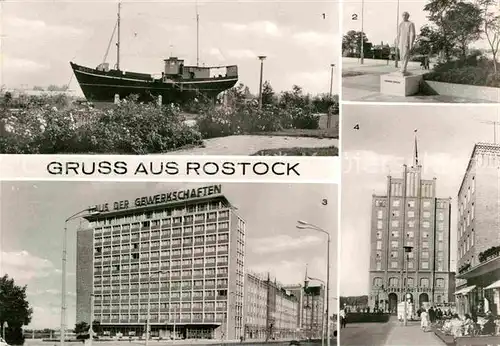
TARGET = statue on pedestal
x,y
405,41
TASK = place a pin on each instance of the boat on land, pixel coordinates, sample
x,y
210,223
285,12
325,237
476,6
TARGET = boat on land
x,y
178,83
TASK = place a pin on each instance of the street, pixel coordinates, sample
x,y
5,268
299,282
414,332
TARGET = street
x,y
38,342
362,334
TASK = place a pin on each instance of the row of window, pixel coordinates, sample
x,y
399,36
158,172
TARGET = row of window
x,y
207,306
396,203
467,244
105,298
146,257
395,244
164,275
467,220
467,196
394,282
411,265
164,317
172,285
410,213
410,234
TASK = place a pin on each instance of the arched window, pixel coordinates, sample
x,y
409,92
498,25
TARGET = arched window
x,y
424,282
377,282
393,282
410,282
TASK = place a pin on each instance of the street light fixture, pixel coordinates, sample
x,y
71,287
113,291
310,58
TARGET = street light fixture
x,y
261,58
306,225
149,306
331,79
407,250
64,261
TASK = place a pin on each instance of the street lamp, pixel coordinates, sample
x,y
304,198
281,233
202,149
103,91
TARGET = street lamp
x,y
261,58
331,79
306,225
91,331
362,55
407,250
64,260
149,305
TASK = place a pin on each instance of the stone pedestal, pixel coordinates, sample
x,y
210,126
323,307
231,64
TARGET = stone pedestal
x,y
399,85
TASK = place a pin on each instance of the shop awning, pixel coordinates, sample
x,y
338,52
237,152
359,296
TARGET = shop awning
x,y
496,284
465,290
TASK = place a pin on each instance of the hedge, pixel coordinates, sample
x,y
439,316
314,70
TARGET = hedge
x,y
361,317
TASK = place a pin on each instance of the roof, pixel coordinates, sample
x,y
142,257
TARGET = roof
x,y
479,148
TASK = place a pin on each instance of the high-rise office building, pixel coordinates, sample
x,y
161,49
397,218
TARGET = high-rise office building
x,y
175,260
409,214
478,232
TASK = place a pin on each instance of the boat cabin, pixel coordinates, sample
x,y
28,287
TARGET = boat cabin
x,y
175,69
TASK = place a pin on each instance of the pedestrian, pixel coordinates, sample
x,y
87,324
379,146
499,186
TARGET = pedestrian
x,y
432,315
424,320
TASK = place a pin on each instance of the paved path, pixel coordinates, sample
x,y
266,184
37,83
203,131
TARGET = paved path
x,y
366,87
363,334
411,335
248,145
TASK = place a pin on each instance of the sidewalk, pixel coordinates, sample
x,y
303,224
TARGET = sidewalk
x,y
411,335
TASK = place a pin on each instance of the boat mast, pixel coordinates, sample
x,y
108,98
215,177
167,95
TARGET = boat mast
x,y
118,39
197,36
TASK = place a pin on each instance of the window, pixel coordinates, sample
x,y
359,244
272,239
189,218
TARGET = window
x,y
411,204
472,211
440,283
441,216
440,226
427,214
395,223
393,282
425,265
440,236
378,254
410,234
394,265
379,266
379,224
377,282
440,246
395,234
380,214
396,202
424,282
411,213
394,254
394,244
379,245
472,237
426,224
379,235
425,254
426,204
473,184
411,223
395,213
425,235
411,282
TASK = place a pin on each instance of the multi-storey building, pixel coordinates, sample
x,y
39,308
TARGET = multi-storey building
x,y
270,310
175,260
311,300
478,232
410,214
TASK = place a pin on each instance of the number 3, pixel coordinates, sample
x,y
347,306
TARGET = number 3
x,y
324,202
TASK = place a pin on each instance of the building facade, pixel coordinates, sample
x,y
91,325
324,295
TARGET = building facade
x,y
478,232
271,312
175,260
410,214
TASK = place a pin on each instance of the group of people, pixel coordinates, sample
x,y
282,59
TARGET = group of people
x,y
430,316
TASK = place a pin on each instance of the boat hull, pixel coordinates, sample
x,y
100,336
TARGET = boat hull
x,y
101,86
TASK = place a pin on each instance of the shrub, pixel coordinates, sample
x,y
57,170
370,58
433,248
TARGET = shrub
x,y
129,128
361,317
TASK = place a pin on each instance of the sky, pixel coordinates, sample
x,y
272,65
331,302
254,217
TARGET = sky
x,y
375,10
299,39
383,143
32,223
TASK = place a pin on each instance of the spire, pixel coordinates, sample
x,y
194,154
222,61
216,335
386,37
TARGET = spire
x,y
415,155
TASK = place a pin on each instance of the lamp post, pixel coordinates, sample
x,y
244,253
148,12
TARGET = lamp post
x,y
331,79
407,250
64,260
261,58
306,225
149,306
362,54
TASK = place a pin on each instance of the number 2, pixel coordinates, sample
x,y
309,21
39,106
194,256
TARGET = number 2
x,y
354,16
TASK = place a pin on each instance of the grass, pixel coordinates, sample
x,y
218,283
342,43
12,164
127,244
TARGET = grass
x,y
299,151
319,133
352,73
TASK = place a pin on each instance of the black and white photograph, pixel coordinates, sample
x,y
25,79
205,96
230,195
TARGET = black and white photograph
x,y
148,77
135,263
427,51
420,221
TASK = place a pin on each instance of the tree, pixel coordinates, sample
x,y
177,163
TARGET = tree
x,y
268,96
463,23
57,88
14,309
351,44
491,28
437,10
38,88
82,330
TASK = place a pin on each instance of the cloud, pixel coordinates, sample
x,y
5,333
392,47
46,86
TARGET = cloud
x,y
242,54
22,65
282,243
24,266
261,28
18,27
315,38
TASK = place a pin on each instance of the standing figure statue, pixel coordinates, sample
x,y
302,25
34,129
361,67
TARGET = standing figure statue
x,y
405,41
